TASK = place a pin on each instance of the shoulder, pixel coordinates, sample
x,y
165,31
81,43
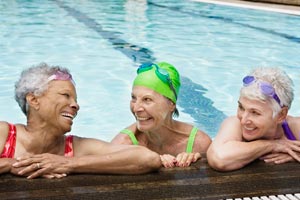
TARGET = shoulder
x,y
82,141
4,128
121,138
202,141
3,124
230,123
87,146
293,120
124,138
231,120
230,129
294,124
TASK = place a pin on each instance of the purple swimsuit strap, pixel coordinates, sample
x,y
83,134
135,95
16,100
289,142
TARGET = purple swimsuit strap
x,y
287,131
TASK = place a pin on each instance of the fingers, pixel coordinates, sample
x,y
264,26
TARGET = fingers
x,y
294,155
269,156
273,158
36,174
168,160
32,169
197,156
277,158
52,176
185,159
284,160
23,162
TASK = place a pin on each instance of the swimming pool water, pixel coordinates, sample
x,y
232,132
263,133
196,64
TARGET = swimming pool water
x,y
102,43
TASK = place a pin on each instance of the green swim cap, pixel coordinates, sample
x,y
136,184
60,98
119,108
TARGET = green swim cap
x,y
163,78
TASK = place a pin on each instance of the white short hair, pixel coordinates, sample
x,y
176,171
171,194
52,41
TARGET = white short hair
x,y
280,81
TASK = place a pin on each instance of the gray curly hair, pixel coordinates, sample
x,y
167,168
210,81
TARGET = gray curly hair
x,y
35,80
280,81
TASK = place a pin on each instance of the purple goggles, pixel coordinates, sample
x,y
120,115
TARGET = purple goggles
x,y
265,88
61,76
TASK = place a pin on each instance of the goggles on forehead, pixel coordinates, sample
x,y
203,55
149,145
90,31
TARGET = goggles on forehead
x,y
61,76
265,87
161,73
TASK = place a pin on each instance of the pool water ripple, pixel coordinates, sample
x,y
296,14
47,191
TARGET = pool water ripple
x,y
103,42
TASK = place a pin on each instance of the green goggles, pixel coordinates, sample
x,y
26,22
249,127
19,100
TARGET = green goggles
x,y
161,73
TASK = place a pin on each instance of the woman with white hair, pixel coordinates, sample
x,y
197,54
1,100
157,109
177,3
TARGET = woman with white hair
x,y
47,96
262,128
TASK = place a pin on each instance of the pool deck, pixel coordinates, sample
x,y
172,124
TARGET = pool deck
x,y
196,182
280,8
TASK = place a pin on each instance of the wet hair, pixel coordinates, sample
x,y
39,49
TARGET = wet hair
x,y
280,81
34,80
176,113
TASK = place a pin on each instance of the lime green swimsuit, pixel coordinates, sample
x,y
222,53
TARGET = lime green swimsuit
x,y
189,147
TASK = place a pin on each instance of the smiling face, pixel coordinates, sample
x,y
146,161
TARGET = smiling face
x,y
256,119
58,105
150,109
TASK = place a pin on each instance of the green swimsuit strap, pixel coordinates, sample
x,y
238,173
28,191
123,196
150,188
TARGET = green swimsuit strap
x,y
131,135
189,147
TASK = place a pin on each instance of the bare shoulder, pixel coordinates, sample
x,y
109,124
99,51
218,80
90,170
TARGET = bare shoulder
x,y
230,129
87,146
202,141
294,124
4,128
91,146
293,120
122,138
3,133
231,120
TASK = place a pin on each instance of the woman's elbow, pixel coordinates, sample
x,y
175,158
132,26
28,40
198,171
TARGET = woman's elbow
x,y
153,161
217,160
149,161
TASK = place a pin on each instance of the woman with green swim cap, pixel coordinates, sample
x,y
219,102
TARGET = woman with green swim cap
x,y
153,103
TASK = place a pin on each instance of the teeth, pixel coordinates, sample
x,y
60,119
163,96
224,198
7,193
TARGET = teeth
x,y
248,128
68,115
141,118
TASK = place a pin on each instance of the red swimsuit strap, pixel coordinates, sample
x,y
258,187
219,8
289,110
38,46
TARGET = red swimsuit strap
x,y
69,146
10,145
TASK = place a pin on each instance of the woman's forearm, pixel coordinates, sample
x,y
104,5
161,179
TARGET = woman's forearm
x,y
128,161
235,154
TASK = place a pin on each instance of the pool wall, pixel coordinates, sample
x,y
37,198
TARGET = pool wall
x,y
286,2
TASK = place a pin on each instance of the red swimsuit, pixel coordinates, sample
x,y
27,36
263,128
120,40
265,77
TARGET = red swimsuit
x,y
10,145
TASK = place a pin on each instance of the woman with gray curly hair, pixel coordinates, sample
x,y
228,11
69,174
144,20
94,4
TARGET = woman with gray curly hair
x,y
47,96
262,128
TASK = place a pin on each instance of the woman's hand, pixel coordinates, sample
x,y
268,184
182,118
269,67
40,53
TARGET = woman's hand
x,y
168,160
6,165
290,147
185,159
42,165
277,158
